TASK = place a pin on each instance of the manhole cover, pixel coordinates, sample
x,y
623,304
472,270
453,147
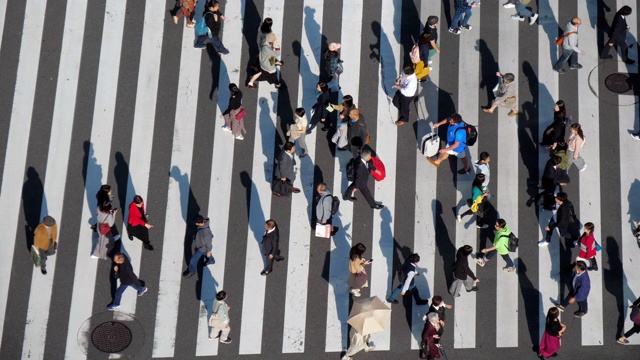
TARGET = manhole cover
x,y
111,337
618,83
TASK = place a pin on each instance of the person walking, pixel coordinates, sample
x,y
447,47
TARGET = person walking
x,y
357,343
575,143
285,169
550,179
204,246
213,18
124,272
564,219
430,345
186,8
462,274
138,223
406,85
357,274
581,286
268,63
431,28
270,246
439,307
570,49
456,143
362,169
478,197
553,332
554,133
635,309
340,137
332,67
588,249
266,29
463,8
522,11
500,245
618,36
104,194
233,117
482,167
410,271
298,130
219,319
356,132
45,239
324,204
505,93
106,218
421,69
320,108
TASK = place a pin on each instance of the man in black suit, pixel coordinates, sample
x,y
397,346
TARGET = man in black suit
x,y
618,35
564,219
356,132
270,246
362,169
550,179
285,168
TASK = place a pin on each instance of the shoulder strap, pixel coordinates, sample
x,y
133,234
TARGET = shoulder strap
x,y
461,128
569,33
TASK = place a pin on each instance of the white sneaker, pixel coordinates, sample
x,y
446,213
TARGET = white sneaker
x,y
459,218
95,257
635,136
509,5
240,137
584,168
226,128
517,17
484,226
509,269
533,19
480,262
346,358
542,243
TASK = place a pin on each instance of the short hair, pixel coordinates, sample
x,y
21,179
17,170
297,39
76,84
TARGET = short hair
x,y
105,188
508,77
436,300
408,70
562,196
432,20
433,317
323,86
483,156
138,199
365,153
414,258
466,250
118,256
322,187
221,295
556,160
501,223
198,219
626,10
354,113
300,112
288,146
576,21
581,265
457,118
270,223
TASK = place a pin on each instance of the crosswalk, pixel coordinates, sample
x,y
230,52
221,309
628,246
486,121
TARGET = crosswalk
x,y
169,148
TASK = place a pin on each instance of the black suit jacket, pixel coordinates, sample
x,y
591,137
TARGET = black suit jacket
x,y
362,172
285,166
563,220
271,242
618,28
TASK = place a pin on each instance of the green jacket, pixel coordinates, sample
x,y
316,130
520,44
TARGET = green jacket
x,y
501,240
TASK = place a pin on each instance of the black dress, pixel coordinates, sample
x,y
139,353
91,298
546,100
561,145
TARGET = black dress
x,y
555,132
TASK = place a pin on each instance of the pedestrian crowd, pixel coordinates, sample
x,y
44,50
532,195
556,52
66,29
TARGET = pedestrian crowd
x,y
563,139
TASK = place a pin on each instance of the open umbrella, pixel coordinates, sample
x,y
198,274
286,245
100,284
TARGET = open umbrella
x,y
369,316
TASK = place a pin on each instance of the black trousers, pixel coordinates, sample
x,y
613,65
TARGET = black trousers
x,y
402,103
365,192
268,267
139,231
621,43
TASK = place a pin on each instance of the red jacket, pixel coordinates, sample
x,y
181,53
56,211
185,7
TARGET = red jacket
x,y
587,247
134,216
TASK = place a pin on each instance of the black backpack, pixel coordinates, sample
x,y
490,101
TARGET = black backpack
x,y
472,134
351,170
512,246
335,205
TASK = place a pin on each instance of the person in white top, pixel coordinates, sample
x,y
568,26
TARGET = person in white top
x,y
298,130
575,143
407,85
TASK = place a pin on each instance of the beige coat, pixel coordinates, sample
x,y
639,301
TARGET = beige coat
x,y
356,266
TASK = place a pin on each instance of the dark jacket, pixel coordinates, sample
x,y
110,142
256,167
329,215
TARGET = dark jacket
x,y
618,31
204,238
550,175
555,132
427,338
235,101
284,167
440,311
362,172
125,272
357,132
271,243
461,267
582,287
566,222
212,24
323,100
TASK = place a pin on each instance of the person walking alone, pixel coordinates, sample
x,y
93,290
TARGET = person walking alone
x,y
635,308
478,197
138,223
505,93
588,249
213,18
521,10
618,36
268,63
106,218
581,286
362,169
124,272
570,49
410,271
45,239
433,329
233,118
357,343
482,167
553,332
456,143
298,130
462,274
271,246
219,320
500,245
324,204
431,28
407,85
463,8
356,132
285,169
357,274
204,246
564,219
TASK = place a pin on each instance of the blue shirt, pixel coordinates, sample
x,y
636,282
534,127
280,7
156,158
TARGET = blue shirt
x,y
459,136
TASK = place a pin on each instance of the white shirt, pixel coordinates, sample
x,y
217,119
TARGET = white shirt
x,y
408,84
410,277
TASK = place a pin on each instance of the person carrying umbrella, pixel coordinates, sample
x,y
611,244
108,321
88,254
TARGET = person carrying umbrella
x,y
367,316
358,342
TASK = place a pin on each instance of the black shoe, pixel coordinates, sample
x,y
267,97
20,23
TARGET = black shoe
x,y
530,202
578,314
43,271
475,288
264,273
575,67
334,230
187,274
349,199
560,71
295,190
148,246
422,302
395,302
280,258
594,268
629,61
378,206
131,237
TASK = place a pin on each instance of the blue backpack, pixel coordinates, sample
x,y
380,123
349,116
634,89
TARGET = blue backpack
x,y
201,26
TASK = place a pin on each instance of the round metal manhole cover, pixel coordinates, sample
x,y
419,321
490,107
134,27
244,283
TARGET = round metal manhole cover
x,y
111,337
618,83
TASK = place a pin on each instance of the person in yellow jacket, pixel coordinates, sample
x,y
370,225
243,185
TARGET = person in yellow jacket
x,y
45,239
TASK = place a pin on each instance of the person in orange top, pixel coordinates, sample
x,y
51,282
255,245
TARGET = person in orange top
x,y
137,222
45,239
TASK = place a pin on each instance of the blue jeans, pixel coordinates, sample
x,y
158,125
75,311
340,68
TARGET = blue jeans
x,y
193,263
215,42
570,55
523,10
398,290
458,16
136,285
582,305
506,257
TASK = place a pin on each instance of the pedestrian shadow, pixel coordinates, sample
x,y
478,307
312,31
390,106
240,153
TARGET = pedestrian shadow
x,y
219,76
382,52
528,126
92,177
386,241
255,214
124,183
550,27
189,209
488,66
616,282
598,20
633,198
444,243
33,200
532,303
446,11
207,294
410,29
250,33
267,130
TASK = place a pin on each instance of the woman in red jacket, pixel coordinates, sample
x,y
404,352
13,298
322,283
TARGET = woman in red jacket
x,y
588,247
137,221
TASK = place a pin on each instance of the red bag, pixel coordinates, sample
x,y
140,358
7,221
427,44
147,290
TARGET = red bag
x,y
104,229
381,173
241,114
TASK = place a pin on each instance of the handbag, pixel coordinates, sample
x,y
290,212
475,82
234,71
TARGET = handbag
x,y
598,247
35,256
323,230
510,100
104,228
361,278
241,114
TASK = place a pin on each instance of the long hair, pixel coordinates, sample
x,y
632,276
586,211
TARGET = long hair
x,y
265,28
588,227
479,180
578,128
347,101
552,314
562,110
356,251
